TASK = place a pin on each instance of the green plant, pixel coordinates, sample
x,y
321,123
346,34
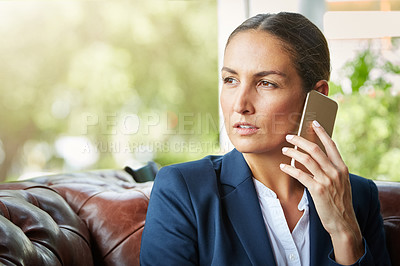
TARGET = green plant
x,y
368,122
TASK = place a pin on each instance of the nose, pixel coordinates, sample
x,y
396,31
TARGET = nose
x,y
244,100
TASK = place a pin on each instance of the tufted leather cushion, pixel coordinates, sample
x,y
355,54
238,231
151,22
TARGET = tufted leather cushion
x,y
39,228
389,196
109,207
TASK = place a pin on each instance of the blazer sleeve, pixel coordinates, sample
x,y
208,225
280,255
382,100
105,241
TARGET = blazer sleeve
x,y
169,236
375,251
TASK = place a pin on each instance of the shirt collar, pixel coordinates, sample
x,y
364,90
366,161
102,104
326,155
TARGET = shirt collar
x,y
264,191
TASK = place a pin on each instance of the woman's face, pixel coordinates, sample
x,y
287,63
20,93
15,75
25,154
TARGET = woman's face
x,y
262,95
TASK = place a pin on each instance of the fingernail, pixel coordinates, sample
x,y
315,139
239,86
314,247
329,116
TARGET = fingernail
x,y
282,165
315,122
284,149
289,137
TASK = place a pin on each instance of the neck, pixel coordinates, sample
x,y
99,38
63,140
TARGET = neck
x,y
265,168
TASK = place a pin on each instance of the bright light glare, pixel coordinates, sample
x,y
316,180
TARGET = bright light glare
x,y
361,24
330,1
78,152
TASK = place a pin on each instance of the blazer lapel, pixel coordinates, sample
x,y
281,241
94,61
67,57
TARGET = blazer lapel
x,y
243,209
320,241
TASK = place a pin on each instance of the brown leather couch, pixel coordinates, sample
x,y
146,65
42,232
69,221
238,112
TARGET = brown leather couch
x,y
97,218
389,196
92,218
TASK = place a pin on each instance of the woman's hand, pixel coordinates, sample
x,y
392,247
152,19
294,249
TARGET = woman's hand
x,y
329,186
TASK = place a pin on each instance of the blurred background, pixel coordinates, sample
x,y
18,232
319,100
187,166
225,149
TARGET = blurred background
x,y
105,84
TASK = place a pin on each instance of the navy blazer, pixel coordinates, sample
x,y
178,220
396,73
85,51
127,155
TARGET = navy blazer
x,y
207,212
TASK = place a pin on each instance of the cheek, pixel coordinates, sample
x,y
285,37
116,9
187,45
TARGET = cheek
x,y
286,114
226,109
288,110
226,104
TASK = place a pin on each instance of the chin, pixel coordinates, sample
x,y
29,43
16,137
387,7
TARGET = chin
x,y
251,148
254,146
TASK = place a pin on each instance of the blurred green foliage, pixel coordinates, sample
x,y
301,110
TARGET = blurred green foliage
x,y
368,124
102,84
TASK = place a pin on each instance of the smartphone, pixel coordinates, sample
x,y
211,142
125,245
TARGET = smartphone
x,y
316,107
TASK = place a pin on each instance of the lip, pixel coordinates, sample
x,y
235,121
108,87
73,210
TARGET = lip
x,y
245,129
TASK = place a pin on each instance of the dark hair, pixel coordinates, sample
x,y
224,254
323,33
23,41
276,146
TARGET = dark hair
x,y
304,42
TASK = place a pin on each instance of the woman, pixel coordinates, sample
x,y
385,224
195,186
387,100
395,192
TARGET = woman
x,y
250,207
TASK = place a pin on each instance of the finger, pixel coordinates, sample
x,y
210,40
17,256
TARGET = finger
x,y
313,150
306,160
302,177
330,146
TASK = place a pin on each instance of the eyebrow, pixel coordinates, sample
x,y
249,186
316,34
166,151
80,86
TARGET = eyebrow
x,y
259,74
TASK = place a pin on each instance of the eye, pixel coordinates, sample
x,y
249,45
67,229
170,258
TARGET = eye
x,y
230,80
266,84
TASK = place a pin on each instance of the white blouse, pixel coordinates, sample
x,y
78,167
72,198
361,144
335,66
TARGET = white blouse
x,y
289,248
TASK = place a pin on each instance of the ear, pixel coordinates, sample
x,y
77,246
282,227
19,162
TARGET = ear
x,y
322,86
